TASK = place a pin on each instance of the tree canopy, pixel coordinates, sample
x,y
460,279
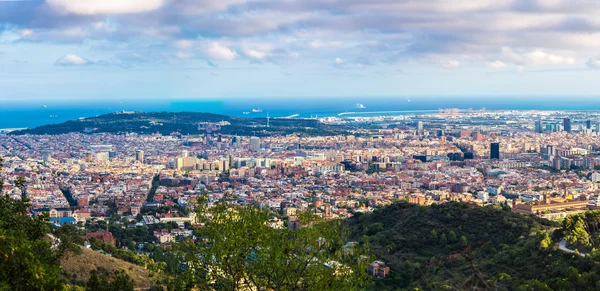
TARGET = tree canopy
x,y
239,247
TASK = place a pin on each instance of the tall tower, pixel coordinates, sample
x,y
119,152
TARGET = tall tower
x,y
494,151
139,156
539,126
567,124
255,144
268,119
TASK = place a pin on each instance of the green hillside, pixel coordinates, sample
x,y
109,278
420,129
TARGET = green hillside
x,y
76,268
185,123
458,246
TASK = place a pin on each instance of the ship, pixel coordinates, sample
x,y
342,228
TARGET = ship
x,y
256,110
53,116
246,112
360,106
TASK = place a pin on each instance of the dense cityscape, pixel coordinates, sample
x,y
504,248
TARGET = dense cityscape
x,y
299,145
541,163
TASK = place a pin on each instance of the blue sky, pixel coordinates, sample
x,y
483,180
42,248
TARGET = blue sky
x,y
178,49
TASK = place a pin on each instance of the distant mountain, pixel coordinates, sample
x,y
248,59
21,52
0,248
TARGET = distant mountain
x,y
458,246
166,123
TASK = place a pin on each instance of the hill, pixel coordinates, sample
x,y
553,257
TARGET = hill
x,y
460,246
77,268
166,123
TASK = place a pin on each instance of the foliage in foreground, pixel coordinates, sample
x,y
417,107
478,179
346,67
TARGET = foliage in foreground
x,y
30,252
237,249
27,261
459,246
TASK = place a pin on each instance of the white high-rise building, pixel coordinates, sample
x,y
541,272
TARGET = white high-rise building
x,y
255,143
139,156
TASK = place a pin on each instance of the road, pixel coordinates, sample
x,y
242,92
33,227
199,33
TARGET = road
x,y
563,247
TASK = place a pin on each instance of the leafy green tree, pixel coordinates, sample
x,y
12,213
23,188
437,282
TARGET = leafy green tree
x,y
27,261
443,239
546,241
20,183
452,236
1,180
119,281
70,239
237,249
433,236
463,241
29,256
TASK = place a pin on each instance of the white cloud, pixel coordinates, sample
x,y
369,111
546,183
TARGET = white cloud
x,y
183,44
26,32
105,26
324,44
450,64
218,51
497,65
539,57
257,50
72,60
94,7
183,55
348,64
196,7
593,63
256,54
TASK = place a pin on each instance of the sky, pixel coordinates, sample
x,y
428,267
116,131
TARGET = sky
x,y
194,49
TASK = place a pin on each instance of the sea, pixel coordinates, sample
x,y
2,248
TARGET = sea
x,y
28,114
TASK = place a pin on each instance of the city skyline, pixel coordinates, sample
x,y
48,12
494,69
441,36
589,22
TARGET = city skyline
x,y
168,49
299,145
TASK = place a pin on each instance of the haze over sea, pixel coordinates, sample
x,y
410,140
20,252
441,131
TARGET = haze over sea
x,y
21,114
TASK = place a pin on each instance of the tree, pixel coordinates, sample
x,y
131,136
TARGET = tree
x,y
452,236
1,180
120,281
20,183
237,249
27,261
69,235
546,241
463,241
29,256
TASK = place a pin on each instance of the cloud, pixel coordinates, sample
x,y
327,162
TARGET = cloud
x,y
536,32
26,32
72,60
497,65
339,63
324,44
593,63
183,44
95,7
256,54
198,7
257,51
450,64
183,55
539,57
216,50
